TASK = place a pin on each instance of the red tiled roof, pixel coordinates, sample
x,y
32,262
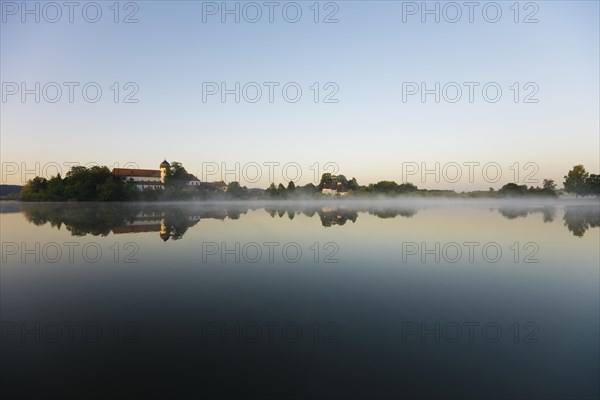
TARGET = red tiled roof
x,y
146,173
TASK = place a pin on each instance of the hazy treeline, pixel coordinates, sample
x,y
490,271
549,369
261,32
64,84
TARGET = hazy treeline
x,y
100,184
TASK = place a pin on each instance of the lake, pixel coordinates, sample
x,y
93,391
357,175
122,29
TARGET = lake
x,y
346,299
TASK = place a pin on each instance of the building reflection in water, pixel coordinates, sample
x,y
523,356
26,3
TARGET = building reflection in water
x,y
171,221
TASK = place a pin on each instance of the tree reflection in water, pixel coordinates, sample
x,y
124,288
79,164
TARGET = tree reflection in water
x,y
172,221
548,212
578,219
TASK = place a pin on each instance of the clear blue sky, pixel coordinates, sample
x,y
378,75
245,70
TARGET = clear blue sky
x,y
368,54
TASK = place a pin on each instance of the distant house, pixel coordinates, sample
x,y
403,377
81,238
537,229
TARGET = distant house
x,y
329,189
192,180
342,190
151,178
334,189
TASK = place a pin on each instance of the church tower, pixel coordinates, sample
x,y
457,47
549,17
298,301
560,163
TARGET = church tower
x,y
164,167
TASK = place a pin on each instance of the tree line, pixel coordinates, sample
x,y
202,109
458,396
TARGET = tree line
x,y
100,184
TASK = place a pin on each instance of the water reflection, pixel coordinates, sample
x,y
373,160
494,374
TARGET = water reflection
x,y
579,219
406,282
549,213
171,221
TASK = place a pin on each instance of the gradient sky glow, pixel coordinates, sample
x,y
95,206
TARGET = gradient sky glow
x,y
369,53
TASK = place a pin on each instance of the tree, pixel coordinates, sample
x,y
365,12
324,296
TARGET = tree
x,y
576,181
593,184
352,184
176,176
111,190
271,190
236,191
280,190
35,189
342,179
307,190
406,187
512,189
325,180
56,188
549,187
549,184
82,183
387,187
291,187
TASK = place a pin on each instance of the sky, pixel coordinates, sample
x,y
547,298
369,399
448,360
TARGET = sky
x,y
169,74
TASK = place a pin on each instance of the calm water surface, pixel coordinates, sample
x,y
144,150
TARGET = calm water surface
x,y
338,300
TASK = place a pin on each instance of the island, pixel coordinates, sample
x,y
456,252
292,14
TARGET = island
x,y
171,181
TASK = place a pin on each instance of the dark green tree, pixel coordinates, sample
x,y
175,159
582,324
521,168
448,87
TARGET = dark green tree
x,y
549,184
307,190
176,176
406,188
280,190
593,184
512,189
56,188
82,183
549,187
576,181
325,180
271,190
386,187
35,190
352,184
234,190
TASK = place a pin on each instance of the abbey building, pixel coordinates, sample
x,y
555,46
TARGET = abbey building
x,y
150,178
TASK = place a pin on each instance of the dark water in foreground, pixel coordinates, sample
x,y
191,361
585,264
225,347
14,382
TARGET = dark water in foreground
x,y
335,300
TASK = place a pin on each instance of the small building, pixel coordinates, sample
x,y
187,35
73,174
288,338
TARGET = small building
x,y
192,180
337,189
329,189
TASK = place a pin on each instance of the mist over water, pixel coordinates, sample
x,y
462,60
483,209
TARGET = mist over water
x,y
340,298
